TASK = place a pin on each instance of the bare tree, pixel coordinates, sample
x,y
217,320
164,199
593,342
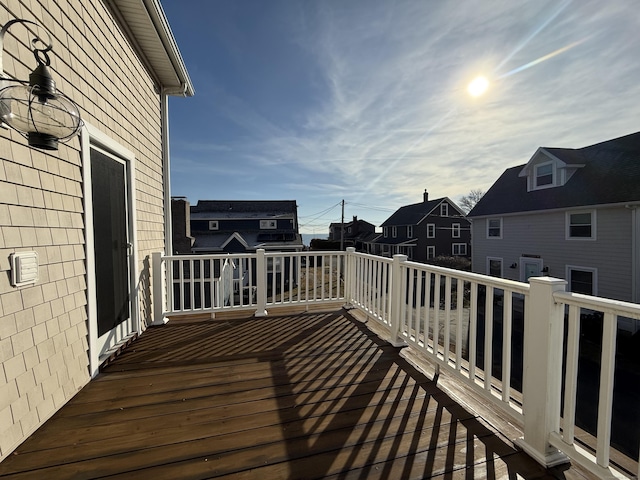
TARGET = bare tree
x,y
469,201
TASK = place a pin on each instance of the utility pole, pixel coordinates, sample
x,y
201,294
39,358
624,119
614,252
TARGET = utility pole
x,y
342,229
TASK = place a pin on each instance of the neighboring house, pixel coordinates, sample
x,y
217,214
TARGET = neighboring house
x,y
567,213
243,226
424,231
354,234
87,216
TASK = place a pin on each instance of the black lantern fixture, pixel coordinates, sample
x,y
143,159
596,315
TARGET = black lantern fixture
x,y
34,107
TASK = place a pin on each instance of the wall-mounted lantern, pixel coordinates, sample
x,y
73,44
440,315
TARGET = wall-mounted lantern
x,y
34,107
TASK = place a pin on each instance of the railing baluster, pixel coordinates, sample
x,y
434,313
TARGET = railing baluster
x,y
436,316
181,284
427,310
411,301
473,331
447,318
307,271
605,402
488,336
460,318
571,375
419,306
506,345
192,283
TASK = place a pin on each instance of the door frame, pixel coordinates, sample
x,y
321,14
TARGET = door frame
x,y
523,268
92,137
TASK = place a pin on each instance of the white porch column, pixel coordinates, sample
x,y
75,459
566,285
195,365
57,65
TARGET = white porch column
x,y
158,286
542,382
261,283
349,277
397,297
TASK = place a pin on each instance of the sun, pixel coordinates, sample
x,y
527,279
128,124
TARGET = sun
x,y
478,86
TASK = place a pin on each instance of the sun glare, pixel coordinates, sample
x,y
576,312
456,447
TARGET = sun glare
x,y
478,86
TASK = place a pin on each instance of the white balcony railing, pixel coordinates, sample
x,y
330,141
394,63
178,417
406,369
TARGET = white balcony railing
x,y
517,344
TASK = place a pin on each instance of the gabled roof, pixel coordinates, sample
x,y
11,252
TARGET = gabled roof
x,y
146,25
249,240
214,209
611,174
415,213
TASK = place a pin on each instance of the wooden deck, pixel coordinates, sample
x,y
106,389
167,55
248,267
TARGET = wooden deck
x,y
302,396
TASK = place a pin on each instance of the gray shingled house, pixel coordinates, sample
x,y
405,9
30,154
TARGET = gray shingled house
x,y
424,231
567,213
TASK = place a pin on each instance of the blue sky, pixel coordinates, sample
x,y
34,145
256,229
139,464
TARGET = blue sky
x,y
365,100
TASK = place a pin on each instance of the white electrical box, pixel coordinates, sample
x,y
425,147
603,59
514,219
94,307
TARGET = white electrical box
x,y
24,268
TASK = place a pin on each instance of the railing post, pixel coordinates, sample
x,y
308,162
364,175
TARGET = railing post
x,y
349,276
158,276
542,381
261,283
398,296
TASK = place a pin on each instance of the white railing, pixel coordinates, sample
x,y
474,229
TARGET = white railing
x,y
504,339
586,312
196,284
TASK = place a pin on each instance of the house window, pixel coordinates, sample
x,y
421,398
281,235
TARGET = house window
x,y
582,280
459,248
494,267
581,225
544,175
455,230
444,209
268,224
410,231
394,232
431,230
213,224
385,232
431,252
494,228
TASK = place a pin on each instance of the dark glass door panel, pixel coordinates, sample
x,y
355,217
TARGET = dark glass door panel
x,y
108,183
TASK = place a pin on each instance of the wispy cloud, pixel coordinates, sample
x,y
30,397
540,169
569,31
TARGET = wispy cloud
x,y
385,114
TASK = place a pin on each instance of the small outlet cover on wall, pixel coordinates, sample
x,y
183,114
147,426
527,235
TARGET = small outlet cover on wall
x,y
24,268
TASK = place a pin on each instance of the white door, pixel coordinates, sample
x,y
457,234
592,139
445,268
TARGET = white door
x,y
530,267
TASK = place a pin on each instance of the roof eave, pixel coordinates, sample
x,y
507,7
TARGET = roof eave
x,y
147,27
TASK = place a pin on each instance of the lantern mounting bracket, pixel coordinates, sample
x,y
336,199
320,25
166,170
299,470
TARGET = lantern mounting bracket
x,y
34,107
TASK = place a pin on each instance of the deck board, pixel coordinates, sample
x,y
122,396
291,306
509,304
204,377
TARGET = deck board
x,y
313,395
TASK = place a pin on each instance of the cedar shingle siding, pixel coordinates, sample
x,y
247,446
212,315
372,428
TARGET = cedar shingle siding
x,y
43,327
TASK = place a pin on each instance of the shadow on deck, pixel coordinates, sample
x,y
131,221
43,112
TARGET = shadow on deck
x,y
313,395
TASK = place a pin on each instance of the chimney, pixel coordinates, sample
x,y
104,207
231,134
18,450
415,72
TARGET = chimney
x,y
425,196
355,218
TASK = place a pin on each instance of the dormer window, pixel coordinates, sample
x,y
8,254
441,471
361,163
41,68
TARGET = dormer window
x,y
268,224
543,175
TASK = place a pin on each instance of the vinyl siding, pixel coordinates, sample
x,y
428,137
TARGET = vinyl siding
x,y
43,327
543,235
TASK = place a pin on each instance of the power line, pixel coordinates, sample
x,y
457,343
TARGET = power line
x,y
380,209
318,215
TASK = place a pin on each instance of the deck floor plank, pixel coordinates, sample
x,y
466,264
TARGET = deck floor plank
x,y
313,395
